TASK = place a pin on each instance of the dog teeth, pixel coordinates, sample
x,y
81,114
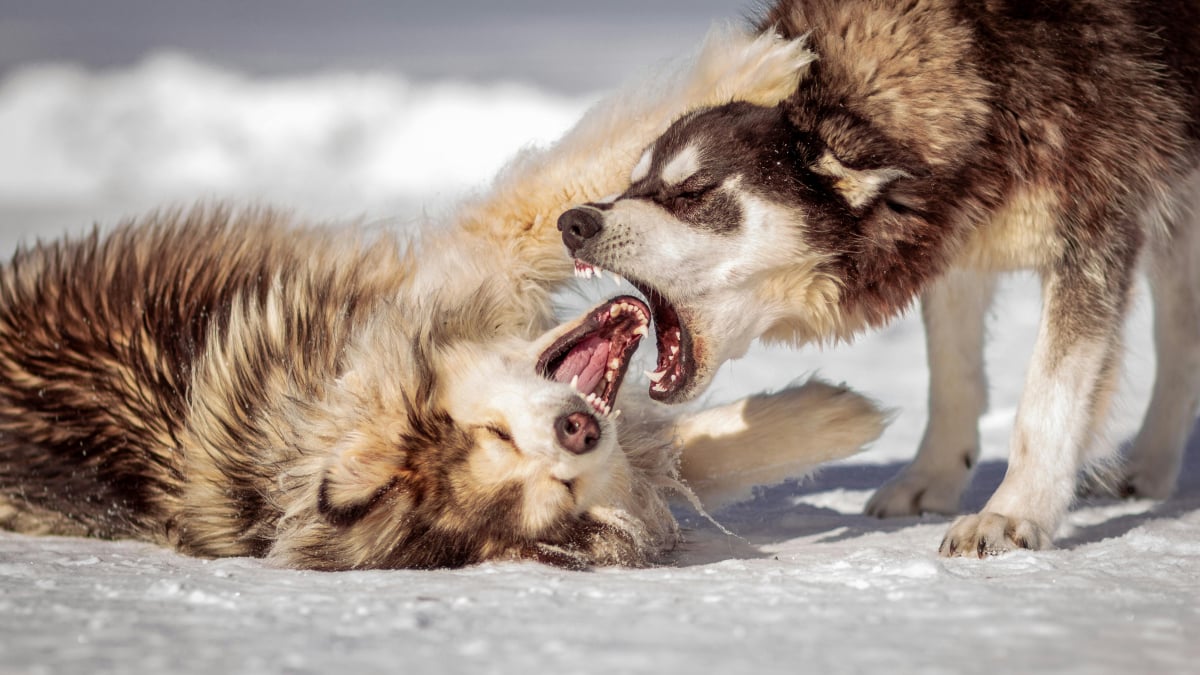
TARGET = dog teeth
x,y
641,331
655,376
623,308
598,405
586,271
616,413
619,308
674,350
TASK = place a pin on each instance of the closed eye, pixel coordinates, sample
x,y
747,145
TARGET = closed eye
x,y
499,432
684,196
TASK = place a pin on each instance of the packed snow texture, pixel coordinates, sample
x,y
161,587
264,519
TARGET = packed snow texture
x,y
808,584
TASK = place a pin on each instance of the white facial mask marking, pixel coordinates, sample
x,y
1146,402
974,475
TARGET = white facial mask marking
x,y
642,169
682,166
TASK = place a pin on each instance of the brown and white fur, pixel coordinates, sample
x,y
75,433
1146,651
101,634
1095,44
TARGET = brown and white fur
x,y
230,382
931,145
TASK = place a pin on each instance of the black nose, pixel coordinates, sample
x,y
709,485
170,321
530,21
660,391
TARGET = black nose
x,y
578,225
577,432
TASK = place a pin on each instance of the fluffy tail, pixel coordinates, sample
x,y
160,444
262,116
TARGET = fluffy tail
x,y
768,438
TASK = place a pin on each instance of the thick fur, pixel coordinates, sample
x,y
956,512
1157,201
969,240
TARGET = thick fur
x,y
931,145
229,385
229,382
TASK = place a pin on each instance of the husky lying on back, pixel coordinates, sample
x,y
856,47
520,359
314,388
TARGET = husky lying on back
x,y
931,145
230,386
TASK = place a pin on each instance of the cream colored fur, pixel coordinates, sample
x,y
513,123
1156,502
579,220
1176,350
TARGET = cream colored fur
x,y
766,439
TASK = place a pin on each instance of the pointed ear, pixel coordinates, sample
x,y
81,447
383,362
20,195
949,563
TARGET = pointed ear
x,y
859,187
358,476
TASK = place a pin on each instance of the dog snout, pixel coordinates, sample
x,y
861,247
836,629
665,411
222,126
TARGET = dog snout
x,y
578,225
578,432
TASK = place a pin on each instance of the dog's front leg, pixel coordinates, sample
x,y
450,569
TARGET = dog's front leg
x,y
1067,390
954,310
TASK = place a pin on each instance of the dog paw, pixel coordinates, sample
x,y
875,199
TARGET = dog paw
x,y
762,69
1152,482
1129,484
988,534
915,493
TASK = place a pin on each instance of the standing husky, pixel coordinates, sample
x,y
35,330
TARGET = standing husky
x,y
229,383
931,145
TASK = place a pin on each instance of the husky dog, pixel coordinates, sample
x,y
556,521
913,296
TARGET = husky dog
x,y
931,145
229,382
226,384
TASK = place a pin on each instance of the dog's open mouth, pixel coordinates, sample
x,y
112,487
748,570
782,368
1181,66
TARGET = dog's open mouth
x,y
676,361
594,355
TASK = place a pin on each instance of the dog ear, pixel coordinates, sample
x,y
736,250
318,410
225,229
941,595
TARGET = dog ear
x,y
860,160
359,476
859,187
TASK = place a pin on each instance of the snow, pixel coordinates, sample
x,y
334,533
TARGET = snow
x,y
807,585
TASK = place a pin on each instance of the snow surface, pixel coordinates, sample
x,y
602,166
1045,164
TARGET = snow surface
x,y
808,585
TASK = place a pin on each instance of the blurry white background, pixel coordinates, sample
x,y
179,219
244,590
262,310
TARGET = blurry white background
x,y
360,107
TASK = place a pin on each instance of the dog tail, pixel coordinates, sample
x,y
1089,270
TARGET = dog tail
x,y
768,438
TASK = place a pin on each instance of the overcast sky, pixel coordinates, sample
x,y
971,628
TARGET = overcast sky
x,y
568,45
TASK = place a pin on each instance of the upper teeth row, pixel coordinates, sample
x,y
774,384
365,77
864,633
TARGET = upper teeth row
x,y
601,407
585,271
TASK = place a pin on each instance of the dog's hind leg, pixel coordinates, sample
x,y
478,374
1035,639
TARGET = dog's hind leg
x,y
954,311
1174,270
769,438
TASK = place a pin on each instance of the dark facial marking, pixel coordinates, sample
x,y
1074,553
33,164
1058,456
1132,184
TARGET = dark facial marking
x,y
743,143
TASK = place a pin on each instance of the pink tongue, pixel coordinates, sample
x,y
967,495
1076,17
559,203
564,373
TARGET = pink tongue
x,y
588,360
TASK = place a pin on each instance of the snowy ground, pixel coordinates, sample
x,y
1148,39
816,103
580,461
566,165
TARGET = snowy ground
x,y
809,584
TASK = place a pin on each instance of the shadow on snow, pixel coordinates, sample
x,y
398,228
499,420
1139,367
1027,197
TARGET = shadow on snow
x,y
792,510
